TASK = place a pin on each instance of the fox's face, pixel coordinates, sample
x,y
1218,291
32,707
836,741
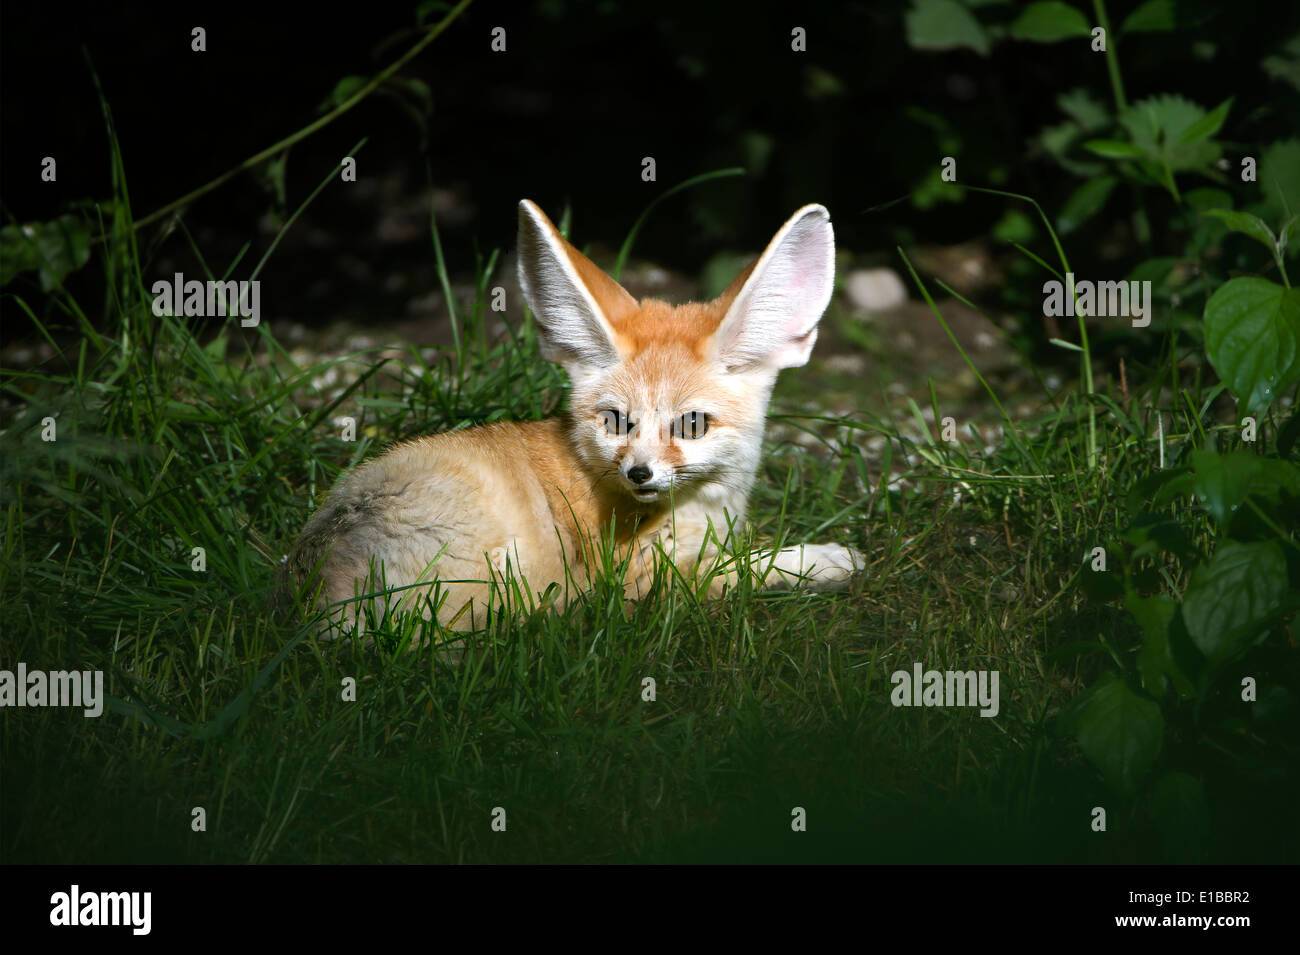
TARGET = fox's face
x,y
670,401
666,418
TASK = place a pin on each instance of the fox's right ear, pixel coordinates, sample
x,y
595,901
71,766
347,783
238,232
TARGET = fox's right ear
x,y
574,301
774,306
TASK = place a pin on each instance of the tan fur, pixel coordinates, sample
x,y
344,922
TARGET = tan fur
x,y
535,500
509,490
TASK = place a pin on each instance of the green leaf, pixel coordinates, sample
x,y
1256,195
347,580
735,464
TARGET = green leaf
x,y
1120,731
343,91
1162,272
1155,662
1157,125
1085,202
1252,338
1207,125
944,25
1235,595
1150,535
1224,481
1208,198
1279,181
1049,21
1158,488
1287,232
53,249
1154,16
1114,149
1158,16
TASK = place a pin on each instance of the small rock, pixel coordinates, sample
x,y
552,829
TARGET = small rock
x,y
875,290
846,364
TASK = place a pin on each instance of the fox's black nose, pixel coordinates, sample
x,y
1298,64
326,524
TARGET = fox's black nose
x,y
638,474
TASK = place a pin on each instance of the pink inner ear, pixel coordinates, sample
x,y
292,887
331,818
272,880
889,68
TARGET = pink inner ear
x,y
773,318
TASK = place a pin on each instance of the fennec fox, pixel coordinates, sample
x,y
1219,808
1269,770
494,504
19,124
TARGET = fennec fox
x,y
659,447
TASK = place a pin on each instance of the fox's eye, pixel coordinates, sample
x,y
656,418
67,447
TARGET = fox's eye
x,y
616,423
693,424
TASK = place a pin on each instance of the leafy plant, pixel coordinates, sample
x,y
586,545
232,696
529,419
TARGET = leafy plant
x,y
1203,566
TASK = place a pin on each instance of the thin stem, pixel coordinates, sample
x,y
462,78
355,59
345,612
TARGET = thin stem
x,y
308,130
1112,56
1086,361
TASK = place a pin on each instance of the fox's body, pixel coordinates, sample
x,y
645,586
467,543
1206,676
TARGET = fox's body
x,y
659,448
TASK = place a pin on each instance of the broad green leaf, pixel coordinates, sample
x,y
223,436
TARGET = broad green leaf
x,y
944,25
1158,16
1278,177
1208,198
1252,338
1207,125
1287,233
1233,596
1246,224
1154,16
1120,731
1049,21
1151,534
1156,125
1155,662
1224,481
1085,202
1154,488
1114,149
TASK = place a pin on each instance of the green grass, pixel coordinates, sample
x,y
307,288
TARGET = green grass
x,y
171,437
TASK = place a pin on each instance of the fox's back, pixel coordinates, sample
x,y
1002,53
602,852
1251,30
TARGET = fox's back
x,y
457,506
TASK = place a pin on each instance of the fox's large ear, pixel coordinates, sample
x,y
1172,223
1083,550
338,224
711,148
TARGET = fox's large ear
x,y
772,318
574,301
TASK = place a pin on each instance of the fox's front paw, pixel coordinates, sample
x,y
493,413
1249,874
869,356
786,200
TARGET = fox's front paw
x,y
827,567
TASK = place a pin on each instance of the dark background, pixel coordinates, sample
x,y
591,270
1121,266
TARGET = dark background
x,y
584,91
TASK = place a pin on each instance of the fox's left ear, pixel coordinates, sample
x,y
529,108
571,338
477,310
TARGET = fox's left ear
x,y
772,318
